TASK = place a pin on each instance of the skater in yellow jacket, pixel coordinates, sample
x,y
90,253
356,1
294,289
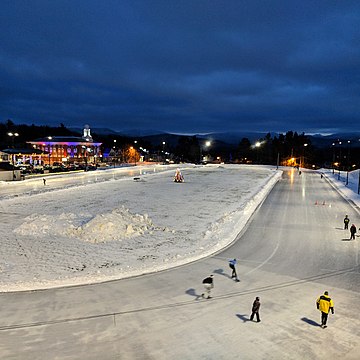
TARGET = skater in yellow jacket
x,y
324,303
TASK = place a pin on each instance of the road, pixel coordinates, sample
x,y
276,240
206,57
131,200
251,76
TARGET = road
x,y
292,250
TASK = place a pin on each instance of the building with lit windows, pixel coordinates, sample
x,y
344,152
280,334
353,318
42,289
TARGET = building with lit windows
x,y
69,149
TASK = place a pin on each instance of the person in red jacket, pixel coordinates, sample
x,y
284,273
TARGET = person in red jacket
x,y
324,303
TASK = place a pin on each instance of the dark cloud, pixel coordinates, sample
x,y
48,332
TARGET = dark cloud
x,y
181,66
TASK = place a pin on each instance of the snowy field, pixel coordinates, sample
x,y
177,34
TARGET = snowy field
x,y
119,227
76,232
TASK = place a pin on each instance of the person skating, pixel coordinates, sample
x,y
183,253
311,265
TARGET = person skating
x,y
352,232
232,264
44,180
255,309
208,285
346,222
325,304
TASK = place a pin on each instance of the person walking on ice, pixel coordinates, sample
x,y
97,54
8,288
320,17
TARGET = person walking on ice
x,y
346,222
208,285
352,232
255,310
232,264
324,303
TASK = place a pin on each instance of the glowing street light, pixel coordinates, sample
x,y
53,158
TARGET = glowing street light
x,y
135,142
257,146
303,157
163,151
207,144
49,138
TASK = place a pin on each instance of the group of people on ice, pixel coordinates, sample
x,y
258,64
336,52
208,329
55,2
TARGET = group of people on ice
x,y
324,303
352,227
209,284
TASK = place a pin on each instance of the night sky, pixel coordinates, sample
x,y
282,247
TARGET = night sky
x,y
181,66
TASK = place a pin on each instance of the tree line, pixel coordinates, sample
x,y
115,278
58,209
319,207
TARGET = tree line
x,y
270,149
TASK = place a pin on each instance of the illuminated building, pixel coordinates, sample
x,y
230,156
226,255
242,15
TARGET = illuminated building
x,y
69,149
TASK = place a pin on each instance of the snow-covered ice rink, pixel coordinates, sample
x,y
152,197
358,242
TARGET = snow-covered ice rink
x,y
117,227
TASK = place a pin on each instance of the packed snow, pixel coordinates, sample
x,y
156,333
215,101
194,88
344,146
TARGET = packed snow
x,y
82,233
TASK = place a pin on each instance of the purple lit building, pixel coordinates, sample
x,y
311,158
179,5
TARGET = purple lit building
x,y
69,149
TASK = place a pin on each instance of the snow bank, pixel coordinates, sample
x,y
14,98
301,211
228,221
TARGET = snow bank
x,y
118,225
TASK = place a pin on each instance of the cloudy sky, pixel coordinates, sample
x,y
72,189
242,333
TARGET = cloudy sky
x,y
182,66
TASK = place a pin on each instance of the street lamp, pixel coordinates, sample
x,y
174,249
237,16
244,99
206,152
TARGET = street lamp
x,y
305,145
133,154
257,145
13,135
348,163
163,146
49,138
114,147
206,145
333,162
135,142
85,152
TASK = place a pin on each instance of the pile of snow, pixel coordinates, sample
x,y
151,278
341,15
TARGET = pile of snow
x,y
118,225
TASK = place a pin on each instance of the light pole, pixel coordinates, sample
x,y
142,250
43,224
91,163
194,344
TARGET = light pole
x,y
257,146
49,138
206,145
85,149
163,146
305,145
333,162
114,147
12,136
348,163
135,142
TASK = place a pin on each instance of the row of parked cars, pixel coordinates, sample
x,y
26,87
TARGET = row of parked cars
x,y
54,168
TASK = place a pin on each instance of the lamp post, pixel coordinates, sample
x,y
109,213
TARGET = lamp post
x,y
348,163
163,150
206,145
257,146
12,136
305,145
114,147
135,142
49,138
333,161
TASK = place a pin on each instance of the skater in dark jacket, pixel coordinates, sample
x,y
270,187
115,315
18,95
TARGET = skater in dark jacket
x,y
352,232
255,309
346,222
208,285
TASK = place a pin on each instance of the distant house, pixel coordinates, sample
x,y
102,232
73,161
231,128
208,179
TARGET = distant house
x,y
68,149
4,157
